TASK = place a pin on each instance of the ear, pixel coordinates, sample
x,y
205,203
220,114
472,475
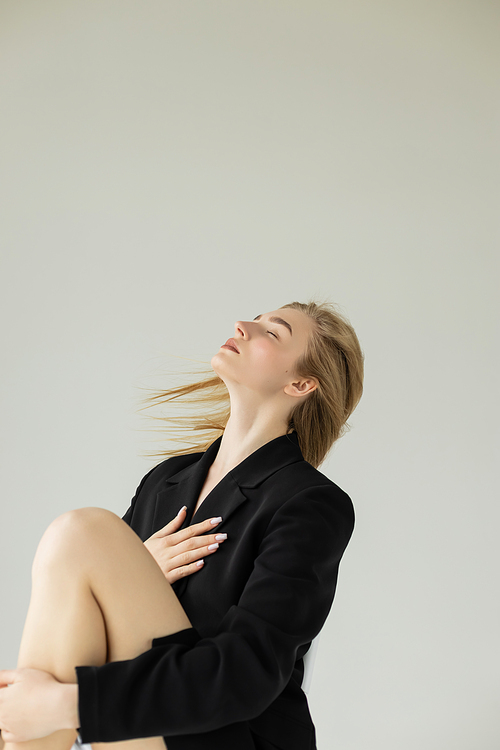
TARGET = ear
x,y
301,387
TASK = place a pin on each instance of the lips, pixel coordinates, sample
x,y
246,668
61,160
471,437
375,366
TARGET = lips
x,y
231,344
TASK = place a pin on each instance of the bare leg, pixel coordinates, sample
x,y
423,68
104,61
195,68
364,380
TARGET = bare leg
x,y
97,596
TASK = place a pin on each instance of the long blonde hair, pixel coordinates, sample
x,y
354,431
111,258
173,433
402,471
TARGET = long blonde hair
x,y
333,356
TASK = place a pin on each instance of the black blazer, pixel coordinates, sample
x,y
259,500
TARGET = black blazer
x,y
255,606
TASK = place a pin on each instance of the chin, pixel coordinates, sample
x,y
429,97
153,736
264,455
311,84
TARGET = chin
x,y
220,366
217,364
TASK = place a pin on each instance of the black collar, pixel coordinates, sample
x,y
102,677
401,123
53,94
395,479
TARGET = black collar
x,y
254,469
184,487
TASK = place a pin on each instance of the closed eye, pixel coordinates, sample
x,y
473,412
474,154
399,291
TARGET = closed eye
x,y
273,334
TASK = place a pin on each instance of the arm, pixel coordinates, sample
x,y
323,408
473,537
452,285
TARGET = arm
x,y
186,684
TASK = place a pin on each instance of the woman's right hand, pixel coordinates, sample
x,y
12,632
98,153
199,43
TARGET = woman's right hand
x,y
180,553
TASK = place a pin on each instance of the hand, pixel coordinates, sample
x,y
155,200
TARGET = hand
x,y
177,552
34,704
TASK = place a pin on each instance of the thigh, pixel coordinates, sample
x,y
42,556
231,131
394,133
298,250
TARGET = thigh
x,y
99,550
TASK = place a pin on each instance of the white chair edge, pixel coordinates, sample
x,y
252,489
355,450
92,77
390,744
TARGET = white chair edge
x,y
309,660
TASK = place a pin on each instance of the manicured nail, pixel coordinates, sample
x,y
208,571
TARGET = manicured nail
x,y
213,546
199,563
184,507
213,521
220,537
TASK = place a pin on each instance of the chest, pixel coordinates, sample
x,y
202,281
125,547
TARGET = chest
x,y
211,481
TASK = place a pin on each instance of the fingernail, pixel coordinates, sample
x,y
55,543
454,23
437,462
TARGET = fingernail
x,y
213,546
199,563
213,521
184,507
220,537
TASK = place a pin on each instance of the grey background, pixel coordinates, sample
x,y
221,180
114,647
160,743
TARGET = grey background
x,y
170,167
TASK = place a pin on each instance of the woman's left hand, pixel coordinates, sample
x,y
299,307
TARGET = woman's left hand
x,y
32,704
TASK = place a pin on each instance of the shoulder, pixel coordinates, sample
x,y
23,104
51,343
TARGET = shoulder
x,y
170,466
166,469
303,492
301,478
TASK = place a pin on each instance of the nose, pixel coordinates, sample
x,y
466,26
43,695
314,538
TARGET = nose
x,y
241,329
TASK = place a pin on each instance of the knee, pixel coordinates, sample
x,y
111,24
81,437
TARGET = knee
x,y
68,533
82,519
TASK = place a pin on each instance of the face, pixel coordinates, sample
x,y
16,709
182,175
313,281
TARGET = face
x,y
262,353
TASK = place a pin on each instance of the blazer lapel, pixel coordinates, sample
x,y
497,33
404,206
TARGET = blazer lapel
x,y
184,487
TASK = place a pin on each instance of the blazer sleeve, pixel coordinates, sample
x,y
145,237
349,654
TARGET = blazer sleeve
x,y
187,684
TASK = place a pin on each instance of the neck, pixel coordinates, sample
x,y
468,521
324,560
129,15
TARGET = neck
x,y
248,428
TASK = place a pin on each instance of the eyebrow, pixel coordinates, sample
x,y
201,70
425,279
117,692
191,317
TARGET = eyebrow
x,y
280,321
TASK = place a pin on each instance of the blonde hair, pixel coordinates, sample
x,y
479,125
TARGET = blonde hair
x,y
333,357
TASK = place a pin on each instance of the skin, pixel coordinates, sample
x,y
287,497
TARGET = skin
x,y
91,570
262,383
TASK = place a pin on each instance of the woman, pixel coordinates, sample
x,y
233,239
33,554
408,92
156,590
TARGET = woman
x,y
195,638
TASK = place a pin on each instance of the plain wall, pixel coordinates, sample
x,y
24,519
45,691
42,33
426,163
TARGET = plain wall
x,y
170,167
